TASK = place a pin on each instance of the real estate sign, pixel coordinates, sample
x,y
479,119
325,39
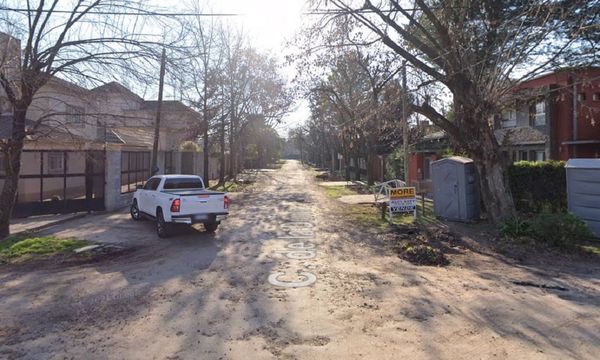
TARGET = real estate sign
x,y
403,200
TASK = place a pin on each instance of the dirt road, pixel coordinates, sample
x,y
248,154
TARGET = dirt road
x,y
287,277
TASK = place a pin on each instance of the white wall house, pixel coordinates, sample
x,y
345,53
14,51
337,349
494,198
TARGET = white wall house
x,y
92,147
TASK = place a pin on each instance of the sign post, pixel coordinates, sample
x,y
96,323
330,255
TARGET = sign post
x,y
402,200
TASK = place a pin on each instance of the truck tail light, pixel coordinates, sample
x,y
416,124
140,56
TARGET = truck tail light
x,y
226,202
176,205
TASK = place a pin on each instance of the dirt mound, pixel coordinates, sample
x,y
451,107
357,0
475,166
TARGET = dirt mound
x,y
425,247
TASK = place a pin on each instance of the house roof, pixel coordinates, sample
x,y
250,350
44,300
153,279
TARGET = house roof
x,y
520,136
134,136
114,86
573,69
436,135
169,105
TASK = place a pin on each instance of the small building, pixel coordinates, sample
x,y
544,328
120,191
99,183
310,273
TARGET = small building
x,y
583,191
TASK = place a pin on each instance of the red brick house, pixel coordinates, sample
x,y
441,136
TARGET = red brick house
x,y
555,116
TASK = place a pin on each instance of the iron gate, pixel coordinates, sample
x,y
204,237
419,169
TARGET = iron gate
x,y
63,181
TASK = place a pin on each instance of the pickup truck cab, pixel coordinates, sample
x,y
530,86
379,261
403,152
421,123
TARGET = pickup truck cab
x,y
179,199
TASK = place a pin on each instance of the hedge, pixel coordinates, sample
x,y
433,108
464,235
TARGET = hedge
x,y
539,186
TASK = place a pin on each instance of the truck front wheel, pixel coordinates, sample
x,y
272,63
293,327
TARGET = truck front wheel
x,y
163,229
211,227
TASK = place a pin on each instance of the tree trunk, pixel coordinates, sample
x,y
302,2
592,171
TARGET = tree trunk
x,y
495,190
370,177
232,150
222,154
485,151
9,189
12,168
206,155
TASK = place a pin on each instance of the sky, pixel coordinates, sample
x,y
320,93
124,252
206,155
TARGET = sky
x,y
269,24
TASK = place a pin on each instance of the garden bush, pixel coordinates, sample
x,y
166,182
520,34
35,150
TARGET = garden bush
x,y
539,186
561,230
515,228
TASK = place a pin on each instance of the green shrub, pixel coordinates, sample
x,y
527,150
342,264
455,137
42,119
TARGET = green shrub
x,y
539,186
515,228
560,230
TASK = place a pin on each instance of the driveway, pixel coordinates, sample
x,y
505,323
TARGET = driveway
x,y
287,277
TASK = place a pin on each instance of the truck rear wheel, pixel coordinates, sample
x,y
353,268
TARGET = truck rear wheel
x,y
134,211
211,227
163,229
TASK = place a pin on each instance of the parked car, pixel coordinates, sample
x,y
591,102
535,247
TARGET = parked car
x,y
179,199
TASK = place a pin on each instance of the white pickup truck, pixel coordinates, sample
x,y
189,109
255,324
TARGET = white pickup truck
x,y
179,199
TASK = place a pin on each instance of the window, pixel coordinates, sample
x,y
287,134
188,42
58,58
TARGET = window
x,y
540,155
135,169
509,118
426,168
581,97
75,115
596,97
152,184
56,162
523,155
183,183
539,113
362,163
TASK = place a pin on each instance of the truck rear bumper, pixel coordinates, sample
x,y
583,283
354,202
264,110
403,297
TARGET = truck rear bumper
x,y
198,218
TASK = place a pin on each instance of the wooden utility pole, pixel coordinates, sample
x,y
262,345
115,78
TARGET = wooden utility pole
x,y
405,144
161,83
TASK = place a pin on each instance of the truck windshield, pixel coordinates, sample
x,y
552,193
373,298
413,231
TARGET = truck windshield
x,y
183,183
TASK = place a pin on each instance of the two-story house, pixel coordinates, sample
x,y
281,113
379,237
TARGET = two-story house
x,y
91,148
554,116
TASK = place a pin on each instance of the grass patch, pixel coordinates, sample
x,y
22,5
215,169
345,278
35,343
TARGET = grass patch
x,y
337,192
19,246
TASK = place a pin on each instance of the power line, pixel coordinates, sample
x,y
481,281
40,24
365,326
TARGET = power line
x,y
184,14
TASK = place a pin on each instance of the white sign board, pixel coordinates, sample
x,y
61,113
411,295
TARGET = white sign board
x,y
403,205
402,200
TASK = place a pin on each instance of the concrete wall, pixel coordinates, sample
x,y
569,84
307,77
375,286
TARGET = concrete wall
x,y
113,199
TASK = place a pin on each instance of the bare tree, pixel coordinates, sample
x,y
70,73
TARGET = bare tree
x,y
477,50
253,87
81,43
206,73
